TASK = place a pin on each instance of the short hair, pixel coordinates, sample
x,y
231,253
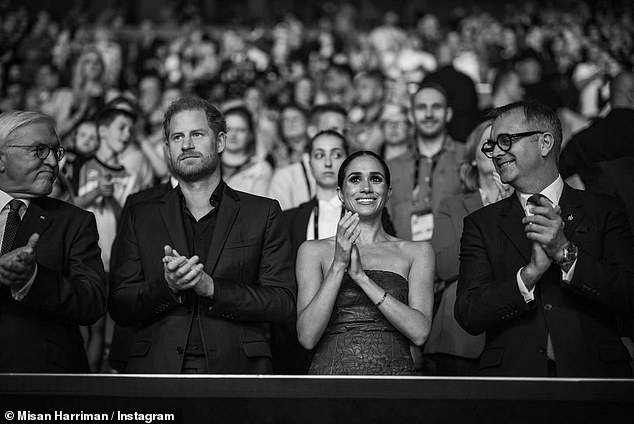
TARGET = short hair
x,y
215,119
11,121
434,86
109,114
467,171
344,166
243,112
332,133
539,116
317,111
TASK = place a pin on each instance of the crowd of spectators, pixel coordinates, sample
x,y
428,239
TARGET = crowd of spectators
x,y
277,83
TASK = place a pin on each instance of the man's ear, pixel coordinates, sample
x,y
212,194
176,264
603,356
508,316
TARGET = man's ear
x,y
449,115
546,143
221,142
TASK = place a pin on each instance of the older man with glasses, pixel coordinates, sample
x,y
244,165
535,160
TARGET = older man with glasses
x,y
51,275
545,272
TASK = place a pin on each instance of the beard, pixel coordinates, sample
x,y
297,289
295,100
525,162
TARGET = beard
x,y
195,172
433,132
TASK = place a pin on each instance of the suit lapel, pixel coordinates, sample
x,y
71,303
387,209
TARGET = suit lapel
x,y
172,216
571,210
35,220
511,224
227,213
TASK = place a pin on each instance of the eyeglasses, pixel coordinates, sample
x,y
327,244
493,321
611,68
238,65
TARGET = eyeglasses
x,y
504,142
43,150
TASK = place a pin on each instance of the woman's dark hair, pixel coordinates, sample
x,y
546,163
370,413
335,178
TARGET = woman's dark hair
x,y
248,118
332,133
344,166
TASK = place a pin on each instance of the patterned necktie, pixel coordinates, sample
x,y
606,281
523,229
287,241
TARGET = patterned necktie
x,y
12,225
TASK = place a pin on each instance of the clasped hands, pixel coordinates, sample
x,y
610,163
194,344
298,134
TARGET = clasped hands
x,y
182,273
545,229
18,265
346,250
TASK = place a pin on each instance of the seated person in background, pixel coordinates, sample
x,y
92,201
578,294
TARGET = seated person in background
x,y
396,129
84,145
449,349
293,185
423,178
364,290
241,169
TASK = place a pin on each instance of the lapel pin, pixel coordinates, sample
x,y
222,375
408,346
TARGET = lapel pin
x,y
42,217
570,217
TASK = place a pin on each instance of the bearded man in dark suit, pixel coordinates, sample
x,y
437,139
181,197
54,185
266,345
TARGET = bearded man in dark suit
x,y
51,275
205,269
544,272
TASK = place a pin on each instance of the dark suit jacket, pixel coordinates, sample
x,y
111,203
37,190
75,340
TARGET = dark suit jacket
x,y
249,260
40,334
122,337
580,315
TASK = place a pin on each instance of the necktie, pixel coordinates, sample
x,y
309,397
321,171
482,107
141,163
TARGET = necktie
x,y
550,352
12,225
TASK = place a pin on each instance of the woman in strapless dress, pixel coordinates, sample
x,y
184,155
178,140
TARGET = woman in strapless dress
x,y
365,298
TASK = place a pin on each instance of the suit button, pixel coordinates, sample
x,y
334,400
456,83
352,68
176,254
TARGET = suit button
x,y
180,350
541,350
548,306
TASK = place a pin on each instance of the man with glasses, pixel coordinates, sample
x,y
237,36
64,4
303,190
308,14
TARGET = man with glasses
x,y
51,275
545,272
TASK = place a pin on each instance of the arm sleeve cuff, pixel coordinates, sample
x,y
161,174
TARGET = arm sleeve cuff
x,y
20,294
528,295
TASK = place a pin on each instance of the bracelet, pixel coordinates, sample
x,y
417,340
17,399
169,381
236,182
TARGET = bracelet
x,y
377,304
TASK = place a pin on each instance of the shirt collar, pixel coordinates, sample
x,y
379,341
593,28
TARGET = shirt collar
x,y
214,199
552,192
5,198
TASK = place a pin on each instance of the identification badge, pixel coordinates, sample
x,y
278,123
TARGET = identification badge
x,y
422,225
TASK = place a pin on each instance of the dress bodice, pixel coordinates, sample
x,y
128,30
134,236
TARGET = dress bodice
x,y
354,308
359,340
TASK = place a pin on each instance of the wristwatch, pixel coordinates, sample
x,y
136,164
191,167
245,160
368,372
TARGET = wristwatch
x,y
569,256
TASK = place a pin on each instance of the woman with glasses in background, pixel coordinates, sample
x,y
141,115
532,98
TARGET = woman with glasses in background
x,y
450,350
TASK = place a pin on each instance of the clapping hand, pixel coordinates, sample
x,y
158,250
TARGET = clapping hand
x,y
546,226
18,265
355,270
182,273
348,232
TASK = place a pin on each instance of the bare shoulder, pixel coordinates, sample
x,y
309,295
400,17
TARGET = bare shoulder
x,y
317,248
416,250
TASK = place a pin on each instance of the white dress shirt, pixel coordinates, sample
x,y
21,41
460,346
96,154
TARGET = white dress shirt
x,y
329,215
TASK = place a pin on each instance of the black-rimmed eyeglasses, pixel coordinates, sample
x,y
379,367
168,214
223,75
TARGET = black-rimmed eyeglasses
x,y
43,150
504,142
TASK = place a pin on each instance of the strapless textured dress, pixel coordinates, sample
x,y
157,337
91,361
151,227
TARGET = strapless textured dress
x,y
359,340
